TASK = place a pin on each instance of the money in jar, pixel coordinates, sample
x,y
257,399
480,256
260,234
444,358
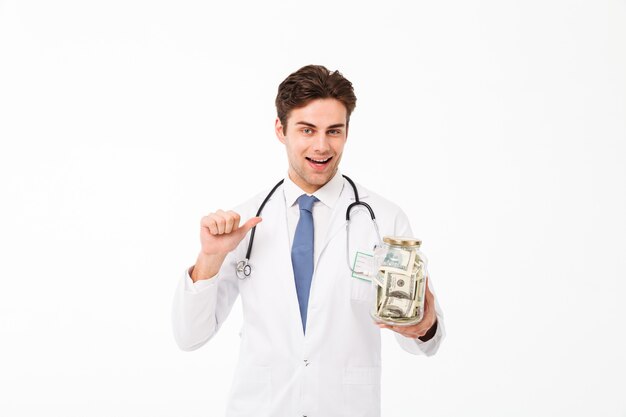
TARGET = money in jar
x,y
401,282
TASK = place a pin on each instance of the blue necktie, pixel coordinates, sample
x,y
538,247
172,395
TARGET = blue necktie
x,y
302,254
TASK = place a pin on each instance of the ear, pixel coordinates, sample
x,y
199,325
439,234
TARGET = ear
x,y
280,131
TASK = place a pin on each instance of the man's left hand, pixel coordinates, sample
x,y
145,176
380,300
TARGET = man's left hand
x,y
421,328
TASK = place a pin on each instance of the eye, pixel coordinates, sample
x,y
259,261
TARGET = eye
x,y
307,130
334,132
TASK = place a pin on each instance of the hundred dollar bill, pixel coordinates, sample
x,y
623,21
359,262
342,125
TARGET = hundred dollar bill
x,y
394,307
418,265
418,298
400,285
399,260
421,282
380,278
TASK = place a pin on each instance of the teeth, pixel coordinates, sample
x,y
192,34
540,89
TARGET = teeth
x,y
320,161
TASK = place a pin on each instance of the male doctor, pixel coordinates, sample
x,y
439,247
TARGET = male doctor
x,y
308,344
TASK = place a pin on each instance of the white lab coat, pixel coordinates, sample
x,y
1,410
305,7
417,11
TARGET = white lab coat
x,y
335,369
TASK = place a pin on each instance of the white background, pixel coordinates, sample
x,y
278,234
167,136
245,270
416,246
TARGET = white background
x,y
122,122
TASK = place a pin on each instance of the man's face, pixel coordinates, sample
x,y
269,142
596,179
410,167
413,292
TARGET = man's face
x,y
314,138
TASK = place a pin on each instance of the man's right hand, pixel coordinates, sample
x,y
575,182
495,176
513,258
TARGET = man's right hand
x,y
220,234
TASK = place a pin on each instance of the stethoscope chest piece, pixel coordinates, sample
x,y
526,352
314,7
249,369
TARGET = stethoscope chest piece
x,y
243,269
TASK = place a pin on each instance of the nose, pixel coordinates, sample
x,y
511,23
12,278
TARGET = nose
x,y
321,143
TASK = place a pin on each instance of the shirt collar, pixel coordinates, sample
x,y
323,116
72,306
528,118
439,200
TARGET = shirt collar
x,y
328,194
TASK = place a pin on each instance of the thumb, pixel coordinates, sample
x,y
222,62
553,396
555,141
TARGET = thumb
x,y
245,228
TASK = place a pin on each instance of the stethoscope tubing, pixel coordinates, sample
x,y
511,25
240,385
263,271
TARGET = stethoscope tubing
x,y
243,268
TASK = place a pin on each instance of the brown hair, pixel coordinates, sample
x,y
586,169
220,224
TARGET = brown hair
x,y
310,83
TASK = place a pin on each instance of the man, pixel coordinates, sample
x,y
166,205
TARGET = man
x,y
308,344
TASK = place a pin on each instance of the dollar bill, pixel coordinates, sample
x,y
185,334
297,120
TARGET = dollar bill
x,y
399,260
380,278
394,307
400,285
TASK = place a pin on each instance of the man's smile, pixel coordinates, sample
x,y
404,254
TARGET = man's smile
x,y
320,162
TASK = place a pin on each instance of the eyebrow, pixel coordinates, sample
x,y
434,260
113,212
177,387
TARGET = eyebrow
x,y
336,125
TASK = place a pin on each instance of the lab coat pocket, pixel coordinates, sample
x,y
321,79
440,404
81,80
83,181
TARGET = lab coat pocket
x,y
362,290
251,391
361,386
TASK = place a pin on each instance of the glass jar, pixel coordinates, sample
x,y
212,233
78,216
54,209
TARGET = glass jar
x,y
401,282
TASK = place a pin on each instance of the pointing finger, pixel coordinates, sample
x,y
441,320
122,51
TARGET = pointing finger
x,y
245,228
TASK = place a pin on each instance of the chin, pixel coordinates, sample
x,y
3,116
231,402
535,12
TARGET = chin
x,y
320,179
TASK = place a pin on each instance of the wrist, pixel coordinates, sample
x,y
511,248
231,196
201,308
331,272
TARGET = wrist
x,y
207,266
430,333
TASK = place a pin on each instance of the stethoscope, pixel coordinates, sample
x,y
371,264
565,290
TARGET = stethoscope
x,y
243,268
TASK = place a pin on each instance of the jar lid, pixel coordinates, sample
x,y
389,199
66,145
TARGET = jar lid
x,y
402,241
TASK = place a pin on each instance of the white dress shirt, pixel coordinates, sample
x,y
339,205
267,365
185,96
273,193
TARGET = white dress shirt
x,y
327,196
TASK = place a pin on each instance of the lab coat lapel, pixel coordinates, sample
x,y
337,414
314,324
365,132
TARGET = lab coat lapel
x,y
272,279
338,217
